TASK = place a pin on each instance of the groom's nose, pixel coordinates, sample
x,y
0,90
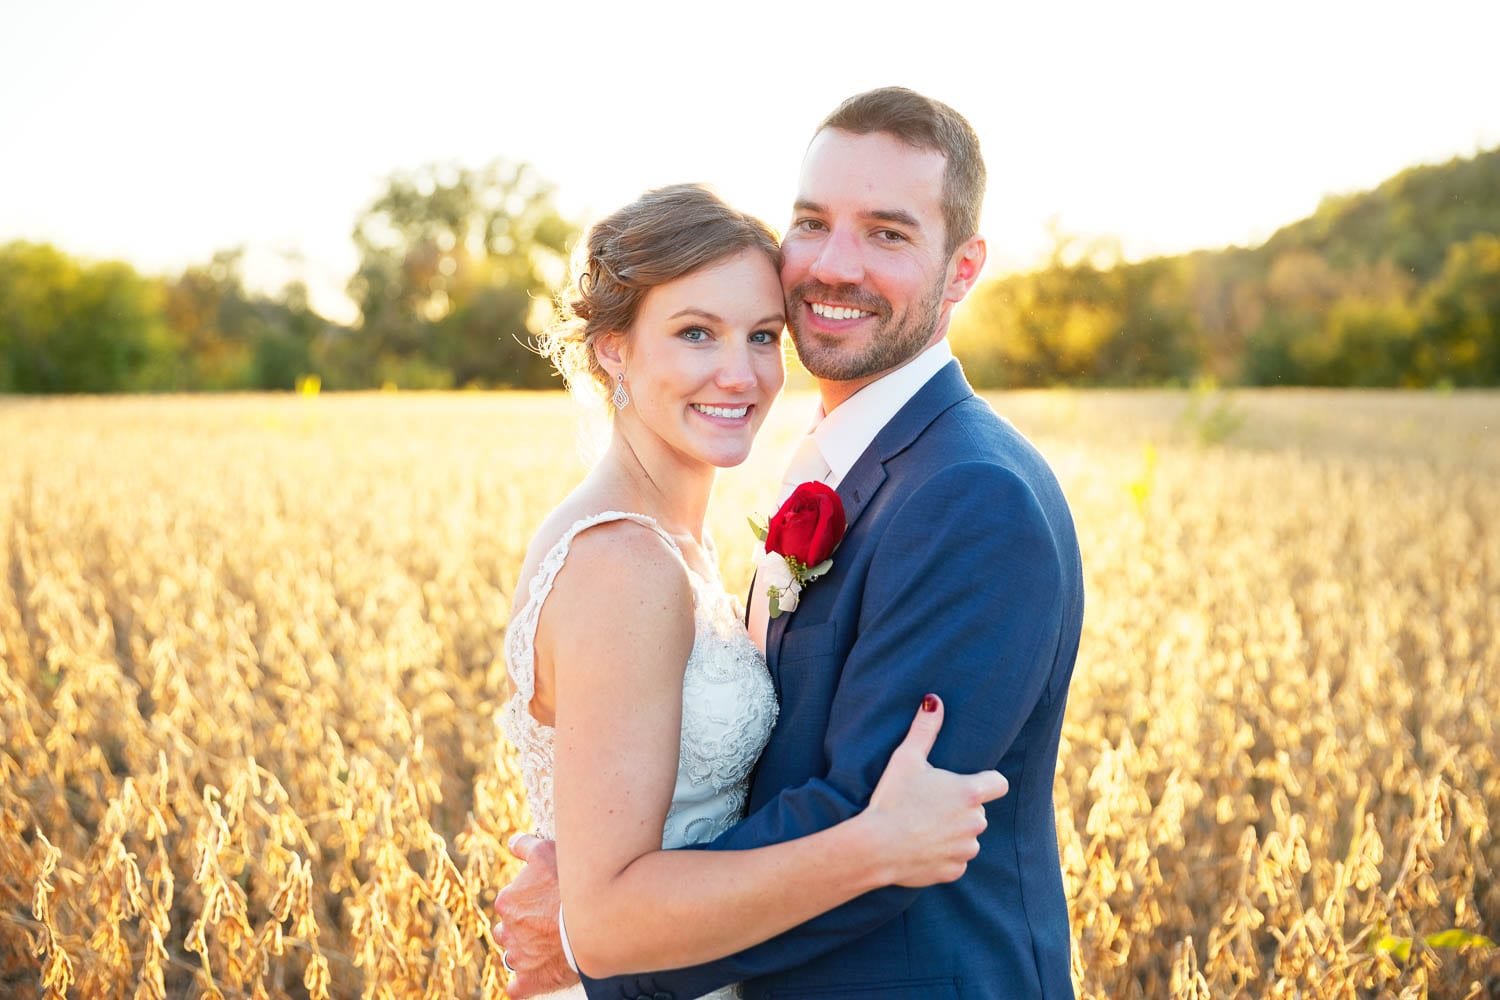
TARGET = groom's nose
x,y
838,261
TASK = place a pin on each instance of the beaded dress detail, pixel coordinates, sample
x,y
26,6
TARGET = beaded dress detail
x,y
728,706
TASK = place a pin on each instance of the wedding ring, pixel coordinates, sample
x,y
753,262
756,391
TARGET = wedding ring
x,y
505,961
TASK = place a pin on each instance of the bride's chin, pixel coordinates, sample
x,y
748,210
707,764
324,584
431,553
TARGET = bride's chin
x,y
720,459
727,460
722,454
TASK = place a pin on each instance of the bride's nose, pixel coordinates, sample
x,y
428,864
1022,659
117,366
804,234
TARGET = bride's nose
x,y
735,371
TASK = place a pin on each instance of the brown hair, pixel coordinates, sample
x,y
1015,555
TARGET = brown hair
x,y
660,237
926,124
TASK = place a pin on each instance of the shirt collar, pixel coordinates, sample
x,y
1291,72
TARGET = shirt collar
x,y
843,435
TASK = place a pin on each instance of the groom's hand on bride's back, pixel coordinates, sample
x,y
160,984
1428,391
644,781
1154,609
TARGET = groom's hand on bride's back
x,y
527,929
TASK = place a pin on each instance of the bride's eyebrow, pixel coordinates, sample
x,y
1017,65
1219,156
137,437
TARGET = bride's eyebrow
x,y
695,311
779,318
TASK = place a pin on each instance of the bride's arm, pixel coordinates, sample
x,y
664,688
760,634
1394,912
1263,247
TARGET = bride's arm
x,y
617,630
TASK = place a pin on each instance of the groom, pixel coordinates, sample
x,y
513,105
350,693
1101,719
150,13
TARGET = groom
x,y
959,574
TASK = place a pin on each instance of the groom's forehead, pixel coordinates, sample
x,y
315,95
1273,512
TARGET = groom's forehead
x,y
868,171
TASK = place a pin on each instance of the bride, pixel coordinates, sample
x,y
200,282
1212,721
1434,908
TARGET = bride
x,y
641,704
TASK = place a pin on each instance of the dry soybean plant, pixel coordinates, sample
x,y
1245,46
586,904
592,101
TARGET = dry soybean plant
x,y
251,656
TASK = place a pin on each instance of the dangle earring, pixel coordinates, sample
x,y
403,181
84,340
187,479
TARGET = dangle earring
x,y
621,398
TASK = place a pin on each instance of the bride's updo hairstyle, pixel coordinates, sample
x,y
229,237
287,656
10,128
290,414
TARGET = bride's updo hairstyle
x,y
660,237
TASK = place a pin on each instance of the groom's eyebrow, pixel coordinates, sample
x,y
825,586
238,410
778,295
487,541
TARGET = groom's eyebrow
x,y
896,215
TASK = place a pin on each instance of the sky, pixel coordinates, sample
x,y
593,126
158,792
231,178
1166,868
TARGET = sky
x,y
160,131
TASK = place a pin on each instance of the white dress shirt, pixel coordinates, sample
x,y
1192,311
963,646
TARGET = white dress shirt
x,y
843,435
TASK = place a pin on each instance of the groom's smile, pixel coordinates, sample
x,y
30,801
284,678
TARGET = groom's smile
x,y
814,305
837,313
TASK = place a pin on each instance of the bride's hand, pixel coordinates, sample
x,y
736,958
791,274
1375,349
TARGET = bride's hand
x,y
927,821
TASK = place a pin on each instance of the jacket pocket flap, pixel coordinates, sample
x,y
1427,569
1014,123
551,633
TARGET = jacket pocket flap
x,y
806,643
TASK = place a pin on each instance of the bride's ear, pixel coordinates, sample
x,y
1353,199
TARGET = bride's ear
x,y
611,352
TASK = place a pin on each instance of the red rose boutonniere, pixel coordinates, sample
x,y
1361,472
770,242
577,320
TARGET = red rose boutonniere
x,y
799,539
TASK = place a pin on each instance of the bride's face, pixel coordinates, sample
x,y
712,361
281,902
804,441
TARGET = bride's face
x,y
703,360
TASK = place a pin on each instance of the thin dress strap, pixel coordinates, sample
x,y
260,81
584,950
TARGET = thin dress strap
x,y
520,638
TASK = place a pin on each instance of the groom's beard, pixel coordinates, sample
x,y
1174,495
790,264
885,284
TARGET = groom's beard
x,y
896,339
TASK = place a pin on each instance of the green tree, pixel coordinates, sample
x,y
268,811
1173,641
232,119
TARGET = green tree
x,y
1321,325
455,264
1411,219
1157,338
210,313
1039,328
232,338
1459,341
286,332
70,326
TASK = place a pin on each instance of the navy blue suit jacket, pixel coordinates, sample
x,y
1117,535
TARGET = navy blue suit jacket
x,y
960,575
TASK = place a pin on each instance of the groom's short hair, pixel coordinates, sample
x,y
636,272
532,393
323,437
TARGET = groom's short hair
x,y
926,124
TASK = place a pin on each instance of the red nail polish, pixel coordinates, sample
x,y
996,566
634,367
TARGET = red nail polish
x,y
929,703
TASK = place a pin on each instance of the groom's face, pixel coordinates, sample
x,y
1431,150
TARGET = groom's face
x,y
865,266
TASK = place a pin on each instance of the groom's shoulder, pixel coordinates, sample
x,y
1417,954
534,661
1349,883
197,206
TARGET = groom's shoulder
x,y
972,431
969,441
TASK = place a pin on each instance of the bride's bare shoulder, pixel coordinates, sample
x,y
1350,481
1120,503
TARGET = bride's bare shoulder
x,y
622,550
621,586
618,547
566,516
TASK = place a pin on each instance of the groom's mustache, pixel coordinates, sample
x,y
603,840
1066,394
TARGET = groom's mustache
x,y
852,296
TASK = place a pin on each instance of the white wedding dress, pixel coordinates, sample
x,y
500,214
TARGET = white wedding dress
x,y
728,708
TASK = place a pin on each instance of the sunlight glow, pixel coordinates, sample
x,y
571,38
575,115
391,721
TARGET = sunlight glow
x,y
162,131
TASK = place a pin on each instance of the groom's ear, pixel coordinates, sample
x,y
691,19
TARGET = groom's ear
x,y
964,267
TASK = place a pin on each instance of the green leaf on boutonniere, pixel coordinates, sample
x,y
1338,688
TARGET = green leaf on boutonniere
x,y
758,524
774,609
818,570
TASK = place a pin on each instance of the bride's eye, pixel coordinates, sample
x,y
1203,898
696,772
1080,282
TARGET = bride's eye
x,y
694,334
765,337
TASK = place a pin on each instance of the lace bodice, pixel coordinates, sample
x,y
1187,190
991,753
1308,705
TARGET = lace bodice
x,y
728,703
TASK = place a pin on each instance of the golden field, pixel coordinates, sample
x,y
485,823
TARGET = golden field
x,y
251,662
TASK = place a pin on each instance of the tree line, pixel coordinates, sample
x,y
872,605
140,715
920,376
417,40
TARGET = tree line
x,y
1398,286
455,269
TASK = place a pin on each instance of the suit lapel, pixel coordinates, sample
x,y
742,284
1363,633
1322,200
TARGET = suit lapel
x,y
941,392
